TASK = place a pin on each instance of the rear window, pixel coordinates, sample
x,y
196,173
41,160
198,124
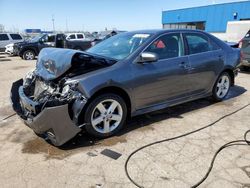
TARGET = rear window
x,y
16,37
198,43
79,36
4,37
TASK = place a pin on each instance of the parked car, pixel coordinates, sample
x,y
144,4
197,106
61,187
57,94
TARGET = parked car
x,y
9,49
28,50
126,75
9,38
104,35
245,51
79,36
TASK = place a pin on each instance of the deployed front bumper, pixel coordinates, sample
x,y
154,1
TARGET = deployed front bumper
x,y
54,122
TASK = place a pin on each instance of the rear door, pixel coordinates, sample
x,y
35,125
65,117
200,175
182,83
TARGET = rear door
x,y
205,58
164,80
79,36
16,38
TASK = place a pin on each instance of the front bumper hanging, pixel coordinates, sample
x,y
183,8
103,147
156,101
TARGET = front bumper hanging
x,y
54,121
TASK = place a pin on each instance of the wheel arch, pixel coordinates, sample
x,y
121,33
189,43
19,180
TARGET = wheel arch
x,y
28,49
231,74
109,89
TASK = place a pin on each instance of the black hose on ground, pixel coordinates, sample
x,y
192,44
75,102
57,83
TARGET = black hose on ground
x,y
245,142
8,117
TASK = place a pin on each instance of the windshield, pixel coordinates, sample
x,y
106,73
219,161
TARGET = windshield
x,y
119,46
36,39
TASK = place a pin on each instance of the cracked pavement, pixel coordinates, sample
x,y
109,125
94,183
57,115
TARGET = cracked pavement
x,y
28,161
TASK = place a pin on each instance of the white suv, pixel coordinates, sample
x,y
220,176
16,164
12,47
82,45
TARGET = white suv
x,y
78,36
9,38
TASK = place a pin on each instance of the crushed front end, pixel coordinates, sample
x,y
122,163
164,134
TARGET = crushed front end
x,y
49,107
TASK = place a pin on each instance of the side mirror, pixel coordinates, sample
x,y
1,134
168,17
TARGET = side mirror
x,y
148,57
42,40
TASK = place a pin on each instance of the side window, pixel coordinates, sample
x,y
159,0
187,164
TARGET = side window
x,y
72,36
51,38
79,36
16,37
4,37
167,46
198,43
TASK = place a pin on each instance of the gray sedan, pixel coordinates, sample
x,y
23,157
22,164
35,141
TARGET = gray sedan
x,y
126,75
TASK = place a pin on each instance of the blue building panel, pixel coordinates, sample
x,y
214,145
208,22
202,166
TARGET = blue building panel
x,y
214,16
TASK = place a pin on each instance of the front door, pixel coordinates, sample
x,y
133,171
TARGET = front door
x,y
46,42
164,80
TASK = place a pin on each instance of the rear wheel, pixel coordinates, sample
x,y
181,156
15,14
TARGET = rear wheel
x,y
29,55
105,115
222,86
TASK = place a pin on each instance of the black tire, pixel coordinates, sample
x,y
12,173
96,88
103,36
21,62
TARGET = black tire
x,y
91,107
29,55
215,88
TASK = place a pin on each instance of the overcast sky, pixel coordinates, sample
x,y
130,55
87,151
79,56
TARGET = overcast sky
x,y
91,15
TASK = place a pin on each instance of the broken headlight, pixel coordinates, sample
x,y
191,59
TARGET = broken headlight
x,y
29,77
50,66
69,88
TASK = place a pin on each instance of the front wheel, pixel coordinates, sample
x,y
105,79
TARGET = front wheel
x,y
222,86
105,115
28,55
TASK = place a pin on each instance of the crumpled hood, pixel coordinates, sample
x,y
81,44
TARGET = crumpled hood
x,y
53,62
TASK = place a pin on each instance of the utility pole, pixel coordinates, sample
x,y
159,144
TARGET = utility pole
x,y
53,21
67,28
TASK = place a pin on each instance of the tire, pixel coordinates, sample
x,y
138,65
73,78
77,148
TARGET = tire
x,y
222,87
100,120
29,55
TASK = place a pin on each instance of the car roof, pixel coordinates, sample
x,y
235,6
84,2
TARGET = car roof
x,y
73,33
10,33
161,31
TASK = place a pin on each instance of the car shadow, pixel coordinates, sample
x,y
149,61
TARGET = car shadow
x,y
143,121
245,71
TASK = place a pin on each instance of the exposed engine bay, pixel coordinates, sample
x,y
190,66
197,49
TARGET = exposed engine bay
x,y
50,98
51,83
48,94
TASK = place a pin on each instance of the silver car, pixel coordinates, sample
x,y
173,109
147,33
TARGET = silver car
x,y
126,75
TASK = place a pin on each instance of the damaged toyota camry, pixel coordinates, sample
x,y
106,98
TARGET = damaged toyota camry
x,y
126,75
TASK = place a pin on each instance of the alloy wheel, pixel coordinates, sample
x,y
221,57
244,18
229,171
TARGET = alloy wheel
x,y
106,116
223,86
29,56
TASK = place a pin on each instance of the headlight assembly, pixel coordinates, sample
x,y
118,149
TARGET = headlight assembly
x,y
50,66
